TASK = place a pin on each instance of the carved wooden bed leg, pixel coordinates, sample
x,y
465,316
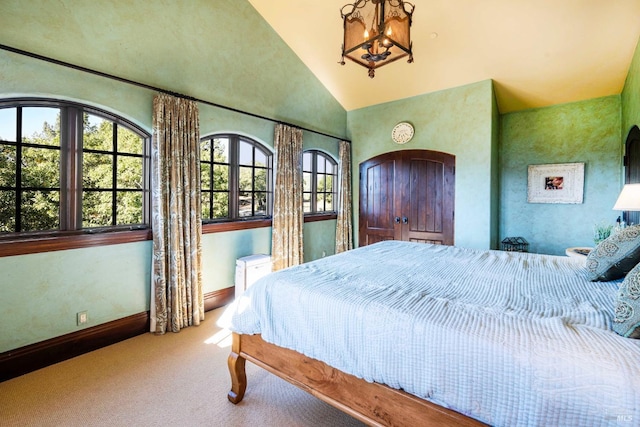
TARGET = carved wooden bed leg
x,y
236,365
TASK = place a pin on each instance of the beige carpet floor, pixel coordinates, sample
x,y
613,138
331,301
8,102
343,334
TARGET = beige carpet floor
x,y
172,380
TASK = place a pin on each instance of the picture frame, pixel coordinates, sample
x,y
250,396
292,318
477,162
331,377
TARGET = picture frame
x,y
556,183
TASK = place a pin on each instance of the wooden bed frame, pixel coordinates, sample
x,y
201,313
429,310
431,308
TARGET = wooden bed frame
x,y
372,403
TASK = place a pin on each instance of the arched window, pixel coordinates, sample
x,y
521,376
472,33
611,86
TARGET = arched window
x,y
320,174
237,178
66,166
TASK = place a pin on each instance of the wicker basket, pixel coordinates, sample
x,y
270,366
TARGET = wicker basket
x,y
515,244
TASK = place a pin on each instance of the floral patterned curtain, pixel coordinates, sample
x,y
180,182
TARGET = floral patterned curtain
x,y
287,238
176,289
344,231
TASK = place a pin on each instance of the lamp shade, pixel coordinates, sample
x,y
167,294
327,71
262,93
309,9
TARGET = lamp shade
x,y
377,32
629,198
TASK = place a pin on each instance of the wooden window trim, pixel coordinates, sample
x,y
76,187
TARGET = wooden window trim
x,y
16,245
19,245
315,217
235,225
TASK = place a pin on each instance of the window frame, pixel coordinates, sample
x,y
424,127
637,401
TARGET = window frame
x,y
323,214
70,232
234,217
24,243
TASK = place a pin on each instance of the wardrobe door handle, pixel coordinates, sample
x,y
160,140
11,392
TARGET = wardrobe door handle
x,y
405,220
397,220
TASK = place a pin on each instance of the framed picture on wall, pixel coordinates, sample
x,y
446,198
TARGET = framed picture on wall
x,y
556,183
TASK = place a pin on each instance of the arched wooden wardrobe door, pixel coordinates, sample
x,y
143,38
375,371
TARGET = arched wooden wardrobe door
x,y
632,168
407,195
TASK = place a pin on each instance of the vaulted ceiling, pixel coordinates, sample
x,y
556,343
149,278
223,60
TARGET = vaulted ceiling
x,y
537,52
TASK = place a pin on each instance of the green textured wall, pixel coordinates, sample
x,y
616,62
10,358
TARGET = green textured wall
x,y
457,121
221,51
495,171
42,293
631,96
587,132
319,239
192,47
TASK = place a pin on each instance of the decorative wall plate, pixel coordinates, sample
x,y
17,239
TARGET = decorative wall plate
x,y
402,133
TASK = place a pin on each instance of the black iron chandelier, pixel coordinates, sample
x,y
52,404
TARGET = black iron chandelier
x,y
377,32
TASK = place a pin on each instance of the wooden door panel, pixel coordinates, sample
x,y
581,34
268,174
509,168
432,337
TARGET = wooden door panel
x,y
377,199
407,195
433,242
380,195
424,202
429,196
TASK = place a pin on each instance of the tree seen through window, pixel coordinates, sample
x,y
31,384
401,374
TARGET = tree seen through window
x,y
64,167
319,174
236,178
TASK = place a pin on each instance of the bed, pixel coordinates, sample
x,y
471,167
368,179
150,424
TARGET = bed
x,y
400,333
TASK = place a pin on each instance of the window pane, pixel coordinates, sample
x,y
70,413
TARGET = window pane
x,y
245,178
40,168
40,210
306,202
41,125
98,133
96,209
39,155
206,205
242,175
329,182
320,203
261,158
221,150
331,168
260,180
129,173
220,205
129,207
245,203
129,142
320,183
246,153
205,176
98,171
221,177
317,195
8,124
7,166
329,202
306,161
7,211
260,203
205,150
306,181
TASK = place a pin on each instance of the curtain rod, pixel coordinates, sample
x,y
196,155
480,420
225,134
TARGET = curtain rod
x,y
157,89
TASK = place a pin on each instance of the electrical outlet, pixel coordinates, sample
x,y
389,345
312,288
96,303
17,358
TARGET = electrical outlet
x,y
82,317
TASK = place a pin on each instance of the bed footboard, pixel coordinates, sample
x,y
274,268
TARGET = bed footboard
x,y
237,371
372,403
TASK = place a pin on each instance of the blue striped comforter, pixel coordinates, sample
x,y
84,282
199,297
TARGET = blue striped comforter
x,y
511,339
